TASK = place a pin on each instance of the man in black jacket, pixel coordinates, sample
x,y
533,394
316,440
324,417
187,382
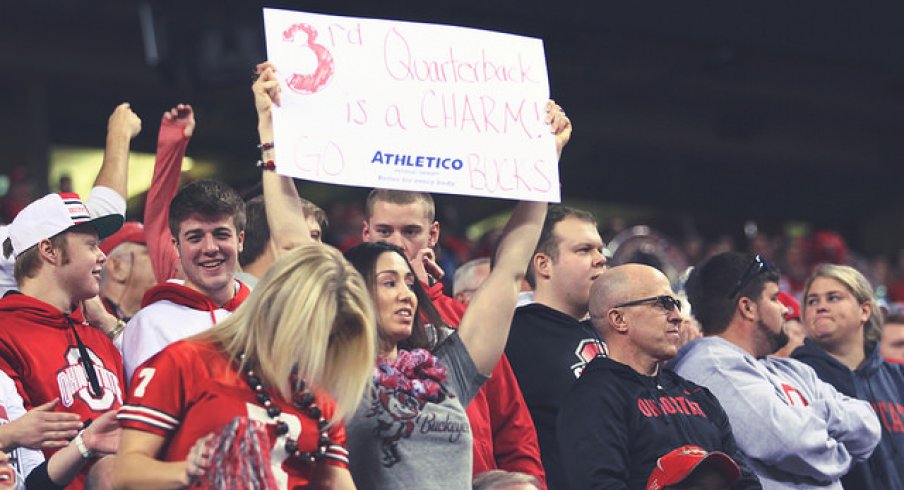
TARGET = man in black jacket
x,y
549,344
626,410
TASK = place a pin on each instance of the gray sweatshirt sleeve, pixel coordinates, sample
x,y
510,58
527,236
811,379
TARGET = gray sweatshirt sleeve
x,y
849,421
794,439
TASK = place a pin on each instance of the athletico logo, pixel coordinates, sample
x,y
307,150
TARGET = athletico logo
x,y
73,382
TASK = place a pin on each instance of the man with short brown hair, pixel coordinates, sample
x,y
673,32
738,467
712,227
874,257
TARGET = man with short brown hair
x,y
549,344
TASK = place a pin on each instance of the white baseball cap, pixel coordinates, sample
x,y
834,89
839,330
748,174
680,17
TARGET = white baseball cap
x,y
53,214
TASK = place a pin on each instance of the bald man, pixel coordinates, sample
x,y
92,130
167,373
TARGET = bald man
x,y
626,411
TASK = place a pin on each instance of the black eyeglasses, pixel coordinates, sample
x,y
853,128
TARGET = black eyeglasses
x,y
668,303
757,266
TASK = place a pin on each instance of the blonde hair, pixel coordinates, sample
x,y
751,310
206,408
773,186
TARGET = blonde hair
x,y
859,287
310,311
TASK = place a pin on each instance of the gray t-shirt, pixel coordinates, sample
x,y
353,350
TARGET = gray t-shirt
x,y
396,442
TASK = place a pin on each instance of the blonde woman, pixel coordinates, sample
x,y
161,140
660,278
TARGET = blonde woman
x,y
295,356
843,325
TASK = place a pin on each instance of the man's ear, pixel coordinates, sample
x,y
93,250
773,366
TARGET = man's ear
x,y
542,264
241,245
866,309
365,231
47,252
176,246
617,320
747,309
433,239
114,269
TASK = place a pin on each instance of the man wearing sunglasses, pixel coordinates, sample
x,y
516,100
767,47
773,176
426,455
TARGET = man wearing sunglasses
x,y
626,411
796,431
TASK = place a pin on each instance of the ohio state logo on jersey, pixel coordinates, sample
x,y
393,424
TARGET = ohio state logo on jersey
x,y
586,350
73,382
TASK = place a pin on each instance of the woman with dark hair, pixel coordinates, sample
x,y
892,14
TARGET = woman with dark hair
x,y
412,431
843,324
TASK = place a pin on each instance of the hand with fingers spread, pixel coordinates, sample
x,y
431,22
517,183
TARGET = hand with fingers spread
x,y
40,428
559,125
182,115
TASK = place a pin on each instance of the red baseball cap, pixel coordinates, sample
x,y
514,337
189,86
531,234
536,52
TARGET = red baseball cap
x,y
792,305
678,464
131,232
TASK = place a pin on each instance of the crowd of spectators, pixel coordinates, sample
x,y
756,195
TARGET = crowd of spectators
x,y
227,342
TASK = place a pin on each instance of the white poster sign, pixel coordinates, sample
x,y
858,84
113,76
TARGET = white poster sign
x,y
401,105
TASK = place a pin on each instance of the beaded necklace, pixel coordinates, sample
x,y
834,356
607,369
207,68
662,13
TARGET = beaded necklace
x,y
303,400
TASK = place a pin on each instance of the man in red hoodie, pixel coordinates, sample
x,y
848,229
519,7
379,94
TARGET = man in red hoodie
x,y
207,221
46,347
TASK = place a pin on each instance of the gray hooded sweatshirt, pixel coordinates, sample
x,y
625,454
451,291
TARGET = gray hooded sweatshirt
x,y
796,430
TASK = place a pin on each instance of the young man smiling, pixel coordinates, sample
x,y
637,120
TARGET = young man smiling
x,y
46,347
207,219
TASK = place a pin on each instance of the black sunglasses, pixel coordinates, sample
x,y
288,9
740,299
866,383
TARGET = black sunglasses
x,y
757,266
668,303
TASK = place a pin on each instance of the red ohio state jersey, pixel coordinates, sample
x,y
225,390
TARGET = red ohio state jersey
x,y
190,389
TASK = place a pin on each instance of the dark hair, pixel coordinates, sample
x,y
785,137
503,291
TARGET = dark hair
x,y
711,282
210,199
257,231
548,244
364,257
893,318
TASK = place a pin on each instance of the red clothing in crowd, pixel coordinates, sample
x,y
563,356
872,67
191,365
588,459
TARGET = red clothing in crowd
x,y
39,351
190,389
171,145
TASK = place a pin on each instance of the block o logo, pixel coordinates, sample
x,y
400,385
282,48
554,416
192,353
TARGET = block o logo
x,y
311,82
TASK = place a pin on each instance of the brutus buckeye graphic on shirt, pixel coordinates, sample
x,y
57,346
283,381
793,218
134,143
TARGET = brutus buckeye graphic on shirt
x,y
73,383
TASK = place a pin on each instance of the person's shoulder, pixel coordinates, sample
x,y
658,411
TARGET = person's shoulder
x,y
94,335
704,349
194,348
790,365
604,373
164,311
537,314
676,380
893,367
188,355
